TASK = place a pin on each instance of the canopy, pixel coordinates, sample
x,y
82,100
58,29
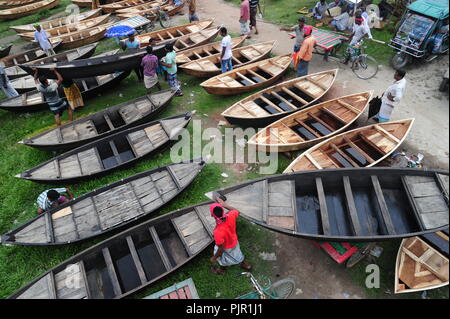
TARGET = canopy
x,y
437,9
119,31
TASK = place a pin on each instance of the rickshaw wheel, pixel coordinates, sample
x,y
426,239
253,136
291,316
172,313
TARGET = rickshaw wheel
x,y
400,60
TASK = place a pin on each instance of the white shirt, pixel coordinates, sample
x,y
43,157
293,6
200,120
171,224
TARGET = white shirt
x,y
360,31
42,38
397,90
226,43
365,17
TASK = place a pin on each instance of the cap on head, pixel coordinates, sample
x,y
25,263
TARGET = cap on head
x,y
302,19
307,30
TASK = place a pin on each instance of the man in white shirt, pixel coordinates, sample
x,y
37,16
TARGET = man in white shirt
x,y
226,54
5,85
41,37
319,9
392,96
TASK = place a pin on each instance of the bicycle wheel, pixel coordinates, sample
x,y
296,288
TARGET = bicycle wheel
x,y
164,19
282,289
365,67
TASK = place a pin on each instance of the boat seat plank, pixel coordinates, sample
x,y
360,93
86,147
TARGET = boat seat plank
x,y
294,96
372,144
382,205
193,233
89,161
334,115
77,287
323,206
249,198
313,116
359,150
165,259
111,272
69,166
307,127
205,216
36,232
65,229
351,207
345,156
136,260
349,107
86,218
386,133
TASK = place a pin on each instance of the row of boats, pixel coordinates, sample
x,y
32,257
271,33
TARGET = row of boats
x,y
346,202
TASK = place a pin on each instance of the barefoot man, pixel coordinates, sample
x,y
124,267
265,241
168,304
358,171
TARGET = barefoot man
x,y
227,251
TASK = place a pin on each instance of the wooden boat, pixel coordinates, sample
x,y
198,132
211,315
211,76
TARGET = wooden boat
x,y
420,267
107,208
79,38
346,204
96,65
82,3
5,52
263,108
361,147
113,7
59,22
109,153
175,32
18,12
24,82
250,77
129,261
90,87
195,39
439,240
206,50
211,65
6,4
311,125
69,28
149,10
103,123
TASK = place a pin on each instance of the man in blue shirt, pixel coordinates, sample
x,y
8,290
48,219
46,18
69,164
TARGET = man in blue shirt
x,y
133,44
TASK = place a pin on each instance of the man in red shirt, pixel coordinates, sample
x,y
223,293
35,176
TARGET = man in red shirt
x,y
227,251
306,50
245,18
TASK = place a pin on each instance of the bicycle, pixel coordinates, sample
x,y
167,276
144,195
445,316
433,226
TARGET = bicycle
x,y
158,15
281,289
363,65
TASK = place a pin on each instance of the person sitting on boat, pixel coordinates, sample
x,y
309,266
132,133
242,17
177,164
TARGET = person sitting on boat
x,y
133,44
150,65
52,198
51,95
5,84
227,251
41,37
392,96
299,33
170,62
226,54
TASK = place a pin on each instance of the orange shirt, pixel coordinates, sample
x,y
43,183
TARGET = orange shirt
x,y
307,48
226,233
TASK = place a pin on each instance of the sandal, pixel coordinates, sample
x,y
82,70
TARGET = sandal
x,y
218,271
246,266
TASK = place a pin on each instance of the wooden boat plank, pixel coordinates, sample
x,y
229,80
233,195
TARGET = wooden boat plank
x,y
136,260
70,283
323,206
39,290
160,248
382,205
111,271
351,207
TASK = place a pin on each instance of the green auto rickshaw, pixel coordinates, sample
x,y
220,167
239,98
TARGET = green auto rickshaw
x,y
422,32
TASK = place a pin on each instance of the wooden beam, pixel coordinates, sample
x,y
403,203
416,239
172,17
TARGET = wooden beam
x,y
323,206
333,115
49,227
236,60
160,248
84,275
136,260
247,109
309,129
292,106
112,272
295,96
174,177
322,86
386,133
245,78
354,146
183,240
383,206
372,144
256,74
277,136
271,103
313,161
304,90
349,107
320,121
52,286
108,121
294,132
347,158
205,223
351,207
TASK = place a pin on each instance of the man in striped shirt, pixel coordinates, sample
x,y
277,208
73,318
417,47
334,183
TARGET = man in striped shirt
x,y
254,7
51,198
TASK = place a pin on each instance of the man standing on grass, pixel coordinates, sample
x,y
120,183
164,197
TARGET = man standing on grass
x,y
392,96
6,86
299,34
169,61
227,53
305,53
150,65
227,251
192,11
245,18
41,37
52,198
254,8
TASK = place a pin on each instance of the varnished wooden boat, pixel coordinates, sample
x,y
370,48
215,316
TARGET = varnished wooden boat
x,y
23,82
4,52
361,147
59,22
206,50
175,32
7,4
11,62
149,10
96,65
82,3
211,65
107,208
79,38
69,28
195,39
129,261
103,123
271,104
250,77
311,125
112,7
18,12
346,204
90,87
420,267
109,153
